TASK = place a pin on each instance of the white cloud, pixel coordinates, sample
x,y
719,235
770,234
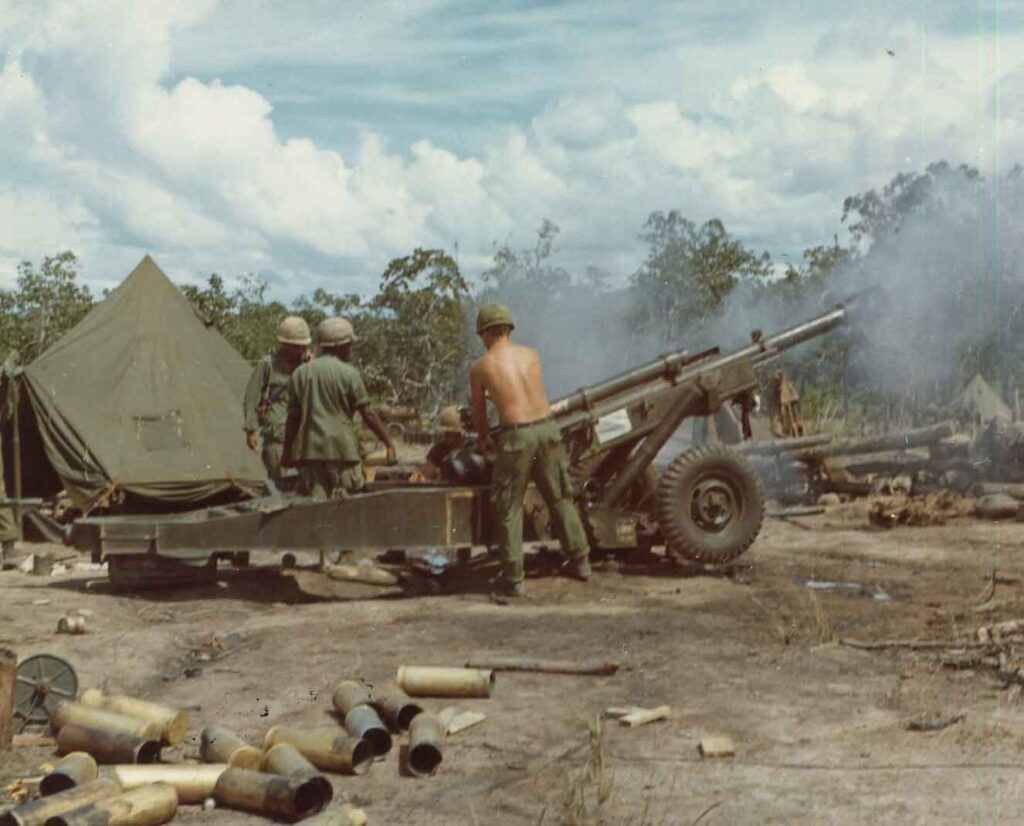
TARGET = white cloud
x,y
111,150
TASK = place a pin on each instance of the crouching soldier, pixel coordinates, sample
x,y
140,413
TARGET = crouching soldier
x,y
324,396
451,439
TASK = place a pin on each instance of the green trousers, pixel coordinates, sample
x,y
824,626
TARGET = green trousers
x,y
271,455
325,480
533,452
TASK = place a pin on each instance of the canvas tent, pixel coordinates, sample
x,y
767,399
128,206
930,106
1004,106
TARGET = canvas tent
x,y
140,396
981,403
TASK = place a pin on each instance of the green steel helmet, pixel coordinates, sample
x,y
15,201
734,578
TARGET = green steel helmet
x,y
491,315
334,332
449,420
293,330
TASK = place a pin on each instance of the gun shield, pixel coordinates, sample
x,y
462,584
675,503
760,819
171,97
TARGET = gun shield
x,y
173,724
325,749
107,747
220,745
71,770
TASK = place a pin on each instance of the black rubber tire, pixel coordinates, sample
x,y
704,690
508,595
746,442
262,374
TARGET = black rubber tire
x,y
709,470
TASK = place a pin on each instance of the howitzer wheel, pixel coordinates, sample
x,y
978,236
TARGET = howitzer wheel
x,y
709,505
42,681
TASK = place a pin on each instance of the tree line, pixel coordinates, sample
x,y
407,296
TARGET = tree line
x,y
944,240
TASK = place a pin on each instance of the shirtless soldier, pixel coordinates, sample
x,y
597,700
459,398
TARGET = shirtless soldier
x,y
528,446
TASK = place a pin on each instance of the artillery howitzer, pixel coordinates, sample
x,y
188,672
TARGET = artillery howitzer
x,y
706,506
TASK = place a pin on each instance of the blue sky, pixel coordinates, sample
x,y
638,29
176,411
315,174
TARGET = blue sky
x,y
310,142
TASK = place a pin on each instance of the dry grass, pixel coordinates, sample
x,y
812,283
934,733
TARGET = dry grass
x,y
589,787
822,630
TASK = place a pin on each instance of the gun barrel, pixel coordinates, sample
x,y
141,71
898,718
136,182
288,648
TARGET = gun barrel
x,y
665,366
678,368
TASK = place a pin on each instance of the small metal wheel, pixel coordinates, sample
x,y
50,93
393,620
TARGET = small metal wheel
x,y
42,681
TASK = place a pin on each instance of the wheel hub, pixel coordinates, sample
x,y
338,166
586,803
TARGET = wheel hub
x,y
42,681
714,504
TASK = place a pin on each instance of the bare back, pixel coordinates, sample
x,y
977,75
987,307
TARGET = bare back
x,y
510,375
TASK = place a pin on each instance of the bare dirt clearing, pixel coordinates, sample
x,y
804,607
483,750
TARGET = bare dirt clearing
x,y
819,727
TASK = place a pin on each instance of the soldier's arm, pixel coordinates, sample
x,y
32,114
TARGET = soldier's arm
x,y
376,425
253,393
291,424
478,406
360,400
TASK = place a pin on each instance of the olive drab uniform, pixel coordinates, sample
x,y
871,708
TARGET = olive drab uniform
x,y
533,451
266,408
324,396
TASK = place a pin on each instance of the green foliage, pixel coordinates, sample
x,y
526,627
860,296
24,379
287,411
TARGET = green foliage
x,y
416,326
412,334
689,272
47,301
243,315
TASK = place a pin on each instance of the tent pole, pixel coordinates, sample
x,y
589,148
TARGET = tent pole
x,y
16,445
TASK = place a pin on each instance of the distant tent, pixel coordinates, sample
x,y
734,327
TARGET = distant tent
x,y
981,403
140,397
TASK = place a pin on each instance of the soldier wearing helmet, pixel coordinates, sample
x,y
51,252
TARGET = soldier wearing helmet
x,y
529,448
452,438
265,406
324,396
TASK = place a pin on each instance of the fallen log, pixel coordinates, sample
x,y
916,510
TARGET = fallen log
x,y
875,444
587,667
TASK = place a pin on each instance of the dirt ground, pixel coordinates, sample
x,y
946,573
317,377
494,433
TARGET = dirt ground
x,y
820,727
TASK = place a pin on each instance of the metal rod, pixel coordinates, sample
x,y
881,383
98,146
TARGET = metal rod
x,y
16,449
642,457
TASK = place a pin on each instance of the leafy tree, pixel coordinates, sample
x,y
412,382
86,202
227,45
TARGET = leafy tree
x,y
243,315
47,301
688,273
416,333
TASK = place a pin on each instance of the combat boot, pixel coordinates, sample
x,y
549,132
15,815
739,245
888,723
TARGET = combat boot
x,y
578,568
